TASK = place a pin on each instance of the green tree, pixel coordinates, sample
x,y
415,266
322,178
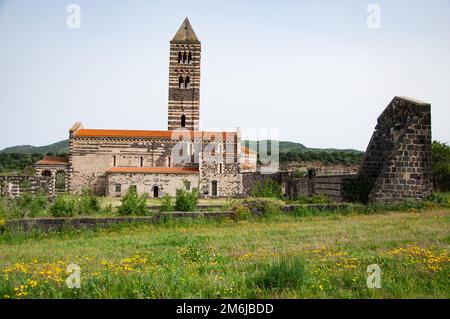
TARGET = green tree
x,y
441,165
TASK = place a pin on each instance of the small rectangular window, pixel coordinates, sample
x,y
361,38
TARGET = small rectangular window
x,y
188,185
214,188
118,188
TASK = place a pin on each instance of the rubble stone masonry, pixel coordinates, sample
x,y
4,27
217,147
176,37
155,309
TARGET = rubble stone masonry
x,y
398,162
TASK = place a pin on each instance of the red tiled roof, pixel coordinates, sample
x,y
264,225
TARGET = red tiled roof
x,y
144,133
246,166
154,170
52,160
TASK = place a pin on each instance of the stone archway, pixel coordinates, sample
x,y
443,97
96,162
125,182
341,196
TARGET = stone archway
x,y
60,181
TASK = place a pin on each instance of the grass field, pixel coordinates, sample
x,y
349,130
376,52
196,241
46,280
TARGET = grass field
x,y
278,257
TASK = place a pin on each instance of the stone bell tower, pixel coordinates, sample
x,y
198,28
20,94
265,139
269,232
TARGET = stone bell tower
x,y
184,79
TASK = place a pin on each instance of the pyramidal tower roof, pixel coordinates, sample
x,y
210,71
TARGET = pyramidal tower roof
x,y
185,33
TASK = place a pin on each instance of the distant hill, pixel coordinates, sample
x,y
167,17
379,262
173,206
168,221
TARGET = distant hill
x,y
61,147
287,147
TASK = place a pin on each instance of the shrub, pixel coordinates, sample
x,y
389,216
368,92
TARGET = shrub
x,y
24,206
264,206
441,165
3,208
299,173
241,212
87,203
37,205
63,207
186,201
268,188
285,273
133,204
315,199
439,200
166,203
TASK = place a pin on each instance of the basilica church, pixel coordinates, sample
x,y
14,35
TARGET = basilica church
x,y
159,162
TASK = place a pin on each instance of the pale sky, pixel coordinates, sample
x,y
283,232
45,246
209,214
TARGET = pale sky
x,y
313,69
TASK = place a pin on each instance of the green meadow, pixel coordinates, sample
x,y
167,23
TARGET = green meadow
x,y
279,256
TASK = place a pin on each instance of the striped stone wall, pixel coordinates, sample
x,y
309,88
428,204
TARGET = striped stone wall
x,y
184,99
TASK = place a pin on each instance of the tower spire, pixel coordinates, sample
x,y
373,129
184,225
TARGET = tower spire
x,y
185,33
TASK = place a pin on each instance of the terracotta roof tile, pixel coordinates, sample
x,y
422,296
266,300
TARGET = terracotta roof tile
x,y
149,134
154,170
246,166
52,160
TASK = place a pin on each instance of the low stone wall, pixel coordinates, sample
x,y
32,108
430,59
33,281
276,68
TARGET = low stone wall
x,y
58,224
331,185
293,187
49,224
250,178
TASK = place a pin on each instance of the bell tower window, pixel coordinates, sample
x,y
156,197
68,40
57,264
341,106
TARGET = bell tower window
x,y
183,120
180,82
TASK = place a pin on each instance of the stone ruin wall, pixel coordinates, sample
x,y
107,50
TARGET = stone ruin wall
x,y
398,161
397,165
295,187
11,186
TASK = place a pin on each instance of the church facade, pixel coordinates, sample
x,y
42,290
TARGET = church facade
x,y
159,162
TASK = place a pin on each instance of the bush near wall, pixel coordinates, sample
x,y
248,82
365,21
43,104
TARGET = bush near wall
x,y
186,201
133,204
268,188
264,206
441,166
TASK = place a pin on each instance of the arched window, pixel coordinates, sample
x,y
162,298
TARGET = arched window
x,y
190,58
142,162
169,161
220,168
46,173
180,58
187,82
185,57
114,161
180,82
183,120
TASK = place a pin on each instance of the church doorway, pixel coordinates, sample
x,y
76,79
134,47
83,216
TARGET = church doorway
x,y
155,191
214,188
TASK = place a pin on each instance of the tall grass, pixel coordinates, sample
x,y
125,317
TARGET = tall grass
x,y
284,273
